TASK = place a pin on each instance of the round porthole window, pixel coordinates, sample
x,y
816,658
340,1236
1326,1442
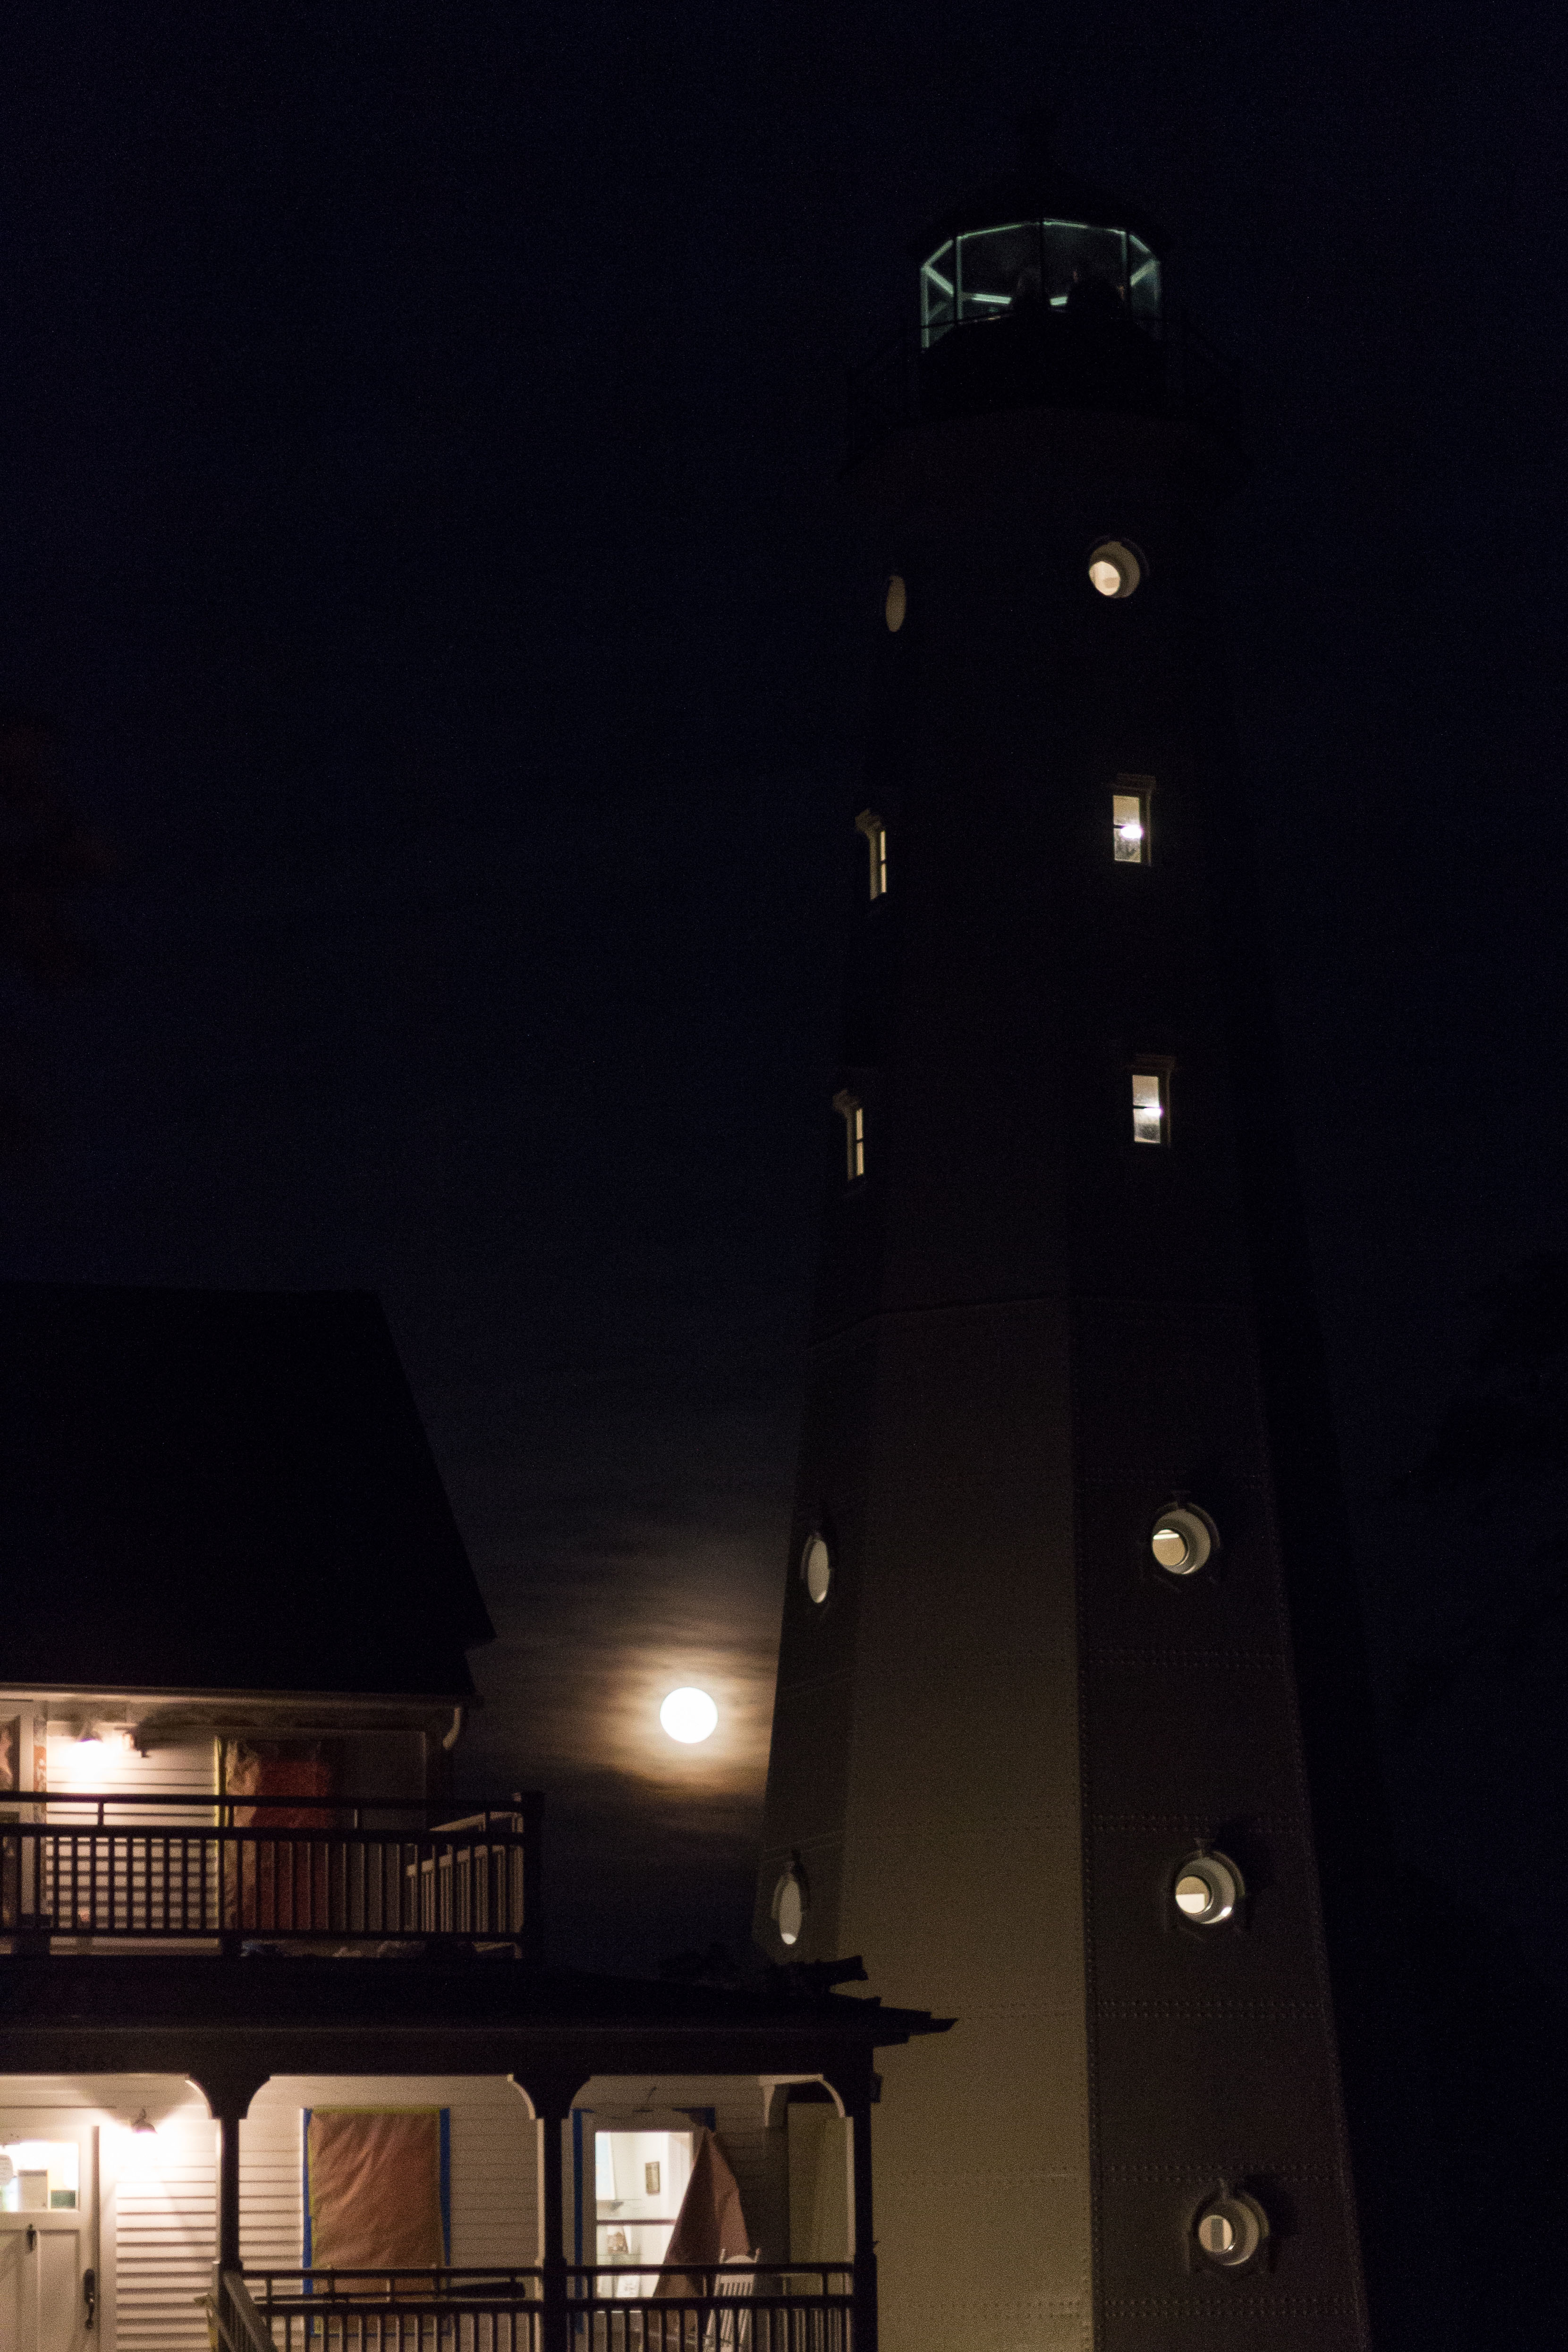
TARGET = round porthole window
x,y
1207,1889
1182,1540
1117,567
895,604
790,1906
817,1569
1230,2229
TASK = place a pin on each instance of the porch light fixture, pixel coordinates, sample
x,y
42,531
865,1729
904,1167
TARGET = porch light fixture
x,y
689,1716
141,2124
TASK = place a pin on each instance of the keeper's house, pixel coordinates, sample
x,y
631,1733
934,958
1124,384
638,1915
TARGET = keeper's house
x,y
277,2048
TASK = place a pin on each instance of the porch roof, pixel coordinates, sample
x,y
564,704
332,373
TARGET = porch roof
x,y
228,2022
222,1491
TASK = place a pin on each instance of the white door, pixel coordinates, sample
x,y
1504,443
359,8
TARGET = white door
x,y
49,2231
18,2295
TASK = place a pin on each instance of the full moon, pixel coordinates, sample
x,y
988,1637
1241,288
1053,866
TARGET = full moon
x,y
689,1716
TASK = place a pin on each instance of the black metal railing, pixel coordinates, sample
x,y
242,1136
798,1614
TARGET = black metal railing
x,y
1160,369
177,1869
734,2307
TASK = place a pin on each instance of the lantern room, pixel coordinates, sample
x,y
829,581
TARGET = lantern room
x,y
1028,266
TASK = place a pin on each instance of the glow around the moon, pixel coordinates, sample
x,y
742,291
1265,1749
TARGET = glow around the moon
x,y
689,1716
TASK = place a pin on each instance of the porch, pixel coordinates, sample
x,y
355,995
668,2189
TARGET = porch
x,y
515,2157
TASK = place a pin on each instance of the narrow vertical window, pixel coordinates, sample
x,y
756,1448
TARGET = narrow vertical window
x,y
875,832
852,1110
1130,820
1151,1107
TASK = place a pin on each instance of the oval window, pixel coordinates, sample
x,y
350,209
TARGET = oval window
x,y
1117,567
790,1906
817,1568
1230,2229
1182,1540
895,604
1207,1889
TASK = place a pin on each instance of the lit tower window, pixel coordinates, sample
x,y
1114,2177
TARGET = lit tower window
x,y
852,1110
875,832
1151,1107
1130,820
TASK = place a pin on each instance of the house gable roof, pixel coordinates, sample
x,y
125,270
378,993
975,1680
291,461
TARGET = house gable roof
x,y
222,1490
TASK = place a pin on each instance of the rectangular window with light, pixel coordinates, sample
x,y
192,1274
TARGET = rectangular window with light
x,y
852,1110
875,832
1130,820
1151,1107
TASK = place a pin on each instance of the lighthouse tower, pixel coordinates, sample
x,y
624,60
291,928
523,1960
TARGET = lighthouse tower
x,y
1040,1754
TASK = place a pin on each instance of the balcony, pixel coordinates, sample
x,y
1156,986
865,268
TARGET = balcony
x,y
1042,359
115,1872
737,2307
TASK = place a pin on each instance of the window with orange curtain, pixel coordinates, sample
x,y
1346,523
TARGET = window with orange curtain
x,y
378,2189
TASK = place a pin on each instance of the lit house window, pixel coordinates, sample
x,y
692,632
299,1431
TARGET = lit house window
x,y
1130,820
1151,1107
852,1110
875,832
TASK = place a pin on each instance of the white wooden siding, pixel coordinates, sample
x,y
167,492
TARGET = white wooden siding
x,y
165,2239
183,1768
494,2199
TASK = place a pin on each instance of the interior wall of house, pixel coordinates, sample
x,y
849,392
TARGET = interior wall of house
x,y
752,2139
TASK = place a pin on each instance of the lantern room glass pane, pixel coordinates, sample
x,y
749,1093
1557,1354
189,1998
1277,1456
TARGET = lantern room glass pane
x,y
937,292
1144,287
987,273
999,269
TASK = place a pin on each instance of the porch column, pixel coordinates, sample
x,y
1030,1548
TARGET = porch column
x,y
551,2101
229,2096
857,2109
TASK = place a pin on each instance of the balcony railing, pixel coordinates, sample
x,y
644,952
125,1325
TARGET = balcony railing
x,y
988,364
176,1870
737,2307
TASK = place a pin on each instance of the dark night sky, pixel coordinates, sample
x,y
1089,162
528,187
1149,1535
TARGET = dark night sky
x,y
418,430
